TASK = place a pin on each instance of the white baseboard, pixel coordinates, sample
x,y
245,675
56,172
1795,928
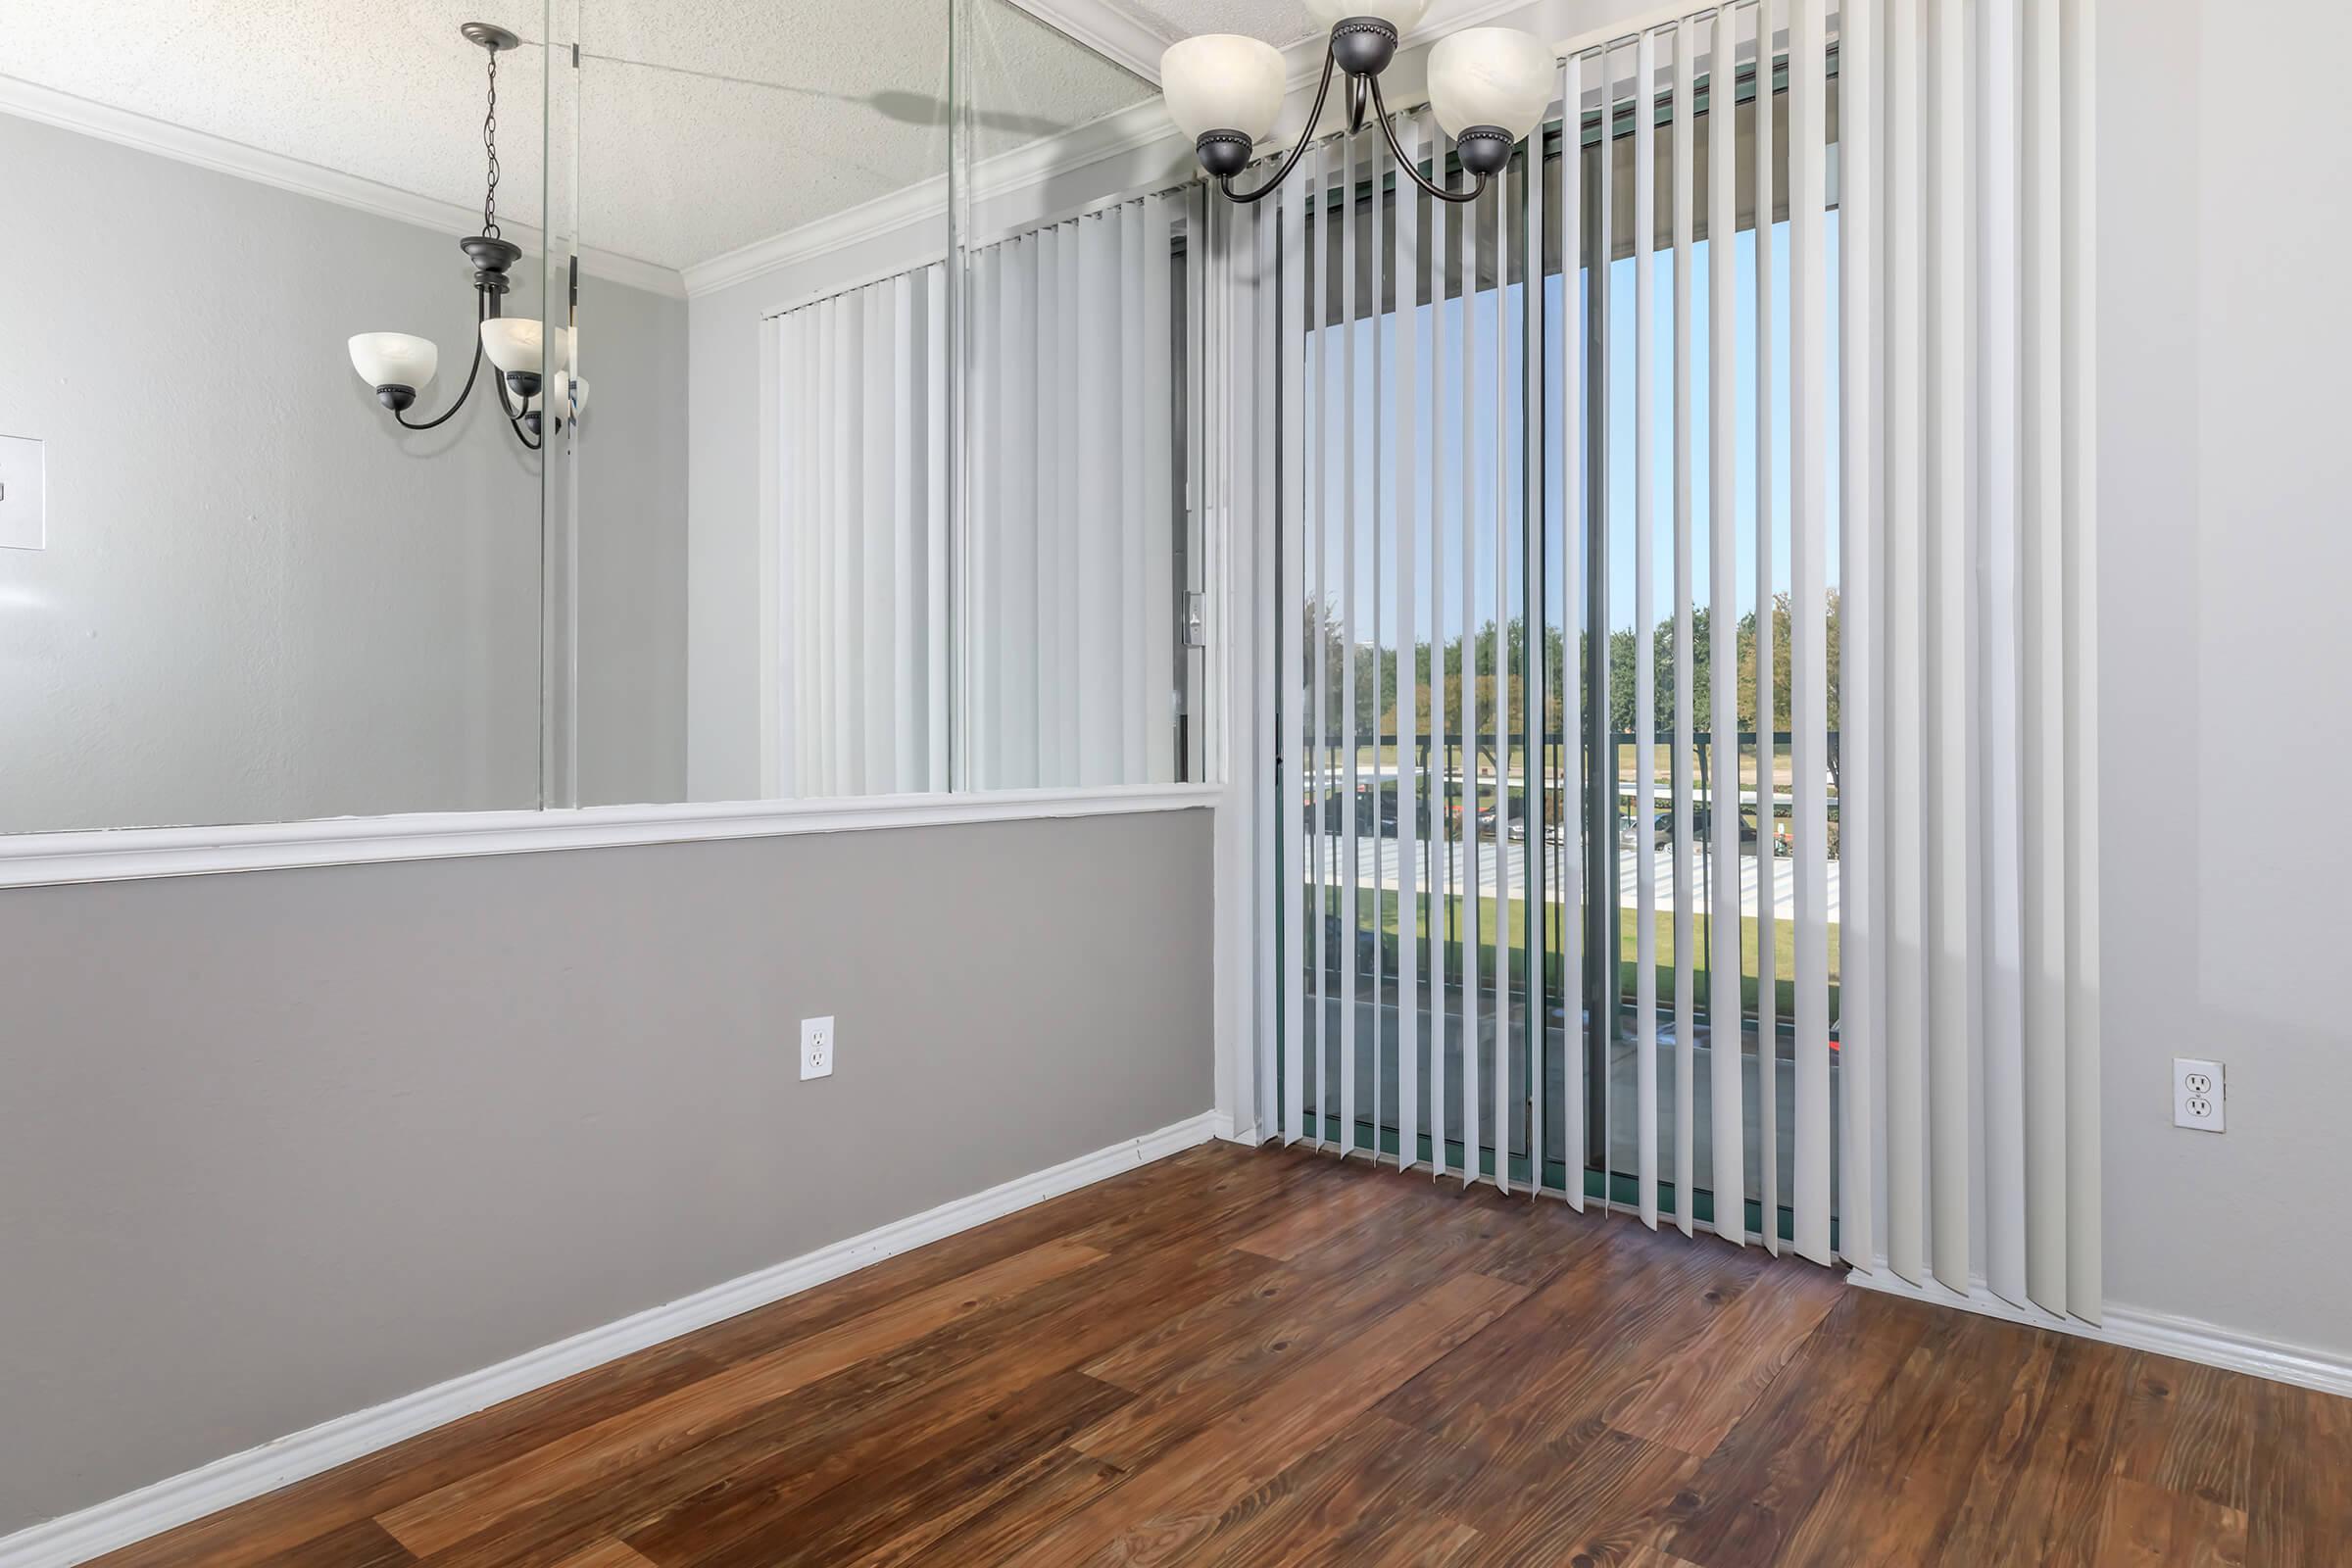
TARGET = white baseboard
x,y
2184,1339
239,1478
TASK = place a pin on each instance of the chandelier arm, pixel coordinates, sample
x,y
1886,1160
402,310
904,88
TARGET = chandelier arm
x,y
467,390
515,416
1313,115
1407,163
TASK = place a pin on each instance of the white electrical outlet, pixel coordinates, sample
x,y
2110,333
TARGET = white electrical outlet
x,y
2198,1093
817,1048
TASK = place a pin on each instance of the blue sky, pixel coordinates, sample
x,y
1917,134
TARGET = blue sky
x,y
1376,420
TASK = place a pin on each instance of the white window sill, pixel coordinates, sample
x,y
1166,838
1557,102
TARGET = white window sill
x,y
44,860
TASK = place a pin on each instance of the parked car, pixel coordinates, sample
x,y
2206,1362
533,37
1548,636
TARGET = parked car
x,y
1701,830
1661,831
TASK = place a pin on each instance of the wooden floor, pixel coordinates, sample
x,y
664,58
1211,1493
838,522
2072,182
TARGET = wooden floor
x,y
1263,1357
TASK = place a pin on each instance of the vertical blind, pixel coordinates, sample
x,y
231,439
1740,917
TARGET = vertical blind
x,y
1074,520
1684,693
861,528
1983,765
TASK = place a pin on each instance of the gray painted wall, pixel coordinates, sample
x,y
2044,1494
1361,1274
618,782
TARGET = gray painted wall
x,y
2224,471
258,600
631,475
280,1145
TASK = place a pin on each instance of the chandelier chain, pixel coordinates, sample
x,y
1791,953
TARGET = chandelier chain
x,y
490,144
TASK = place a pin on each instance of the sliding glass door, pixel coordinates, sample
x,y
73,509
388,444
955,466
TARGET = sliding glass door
x,y
1546,674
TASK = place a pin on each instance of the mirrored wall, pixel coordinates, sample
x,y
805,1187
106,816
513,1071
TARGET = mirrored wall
x,y
583,402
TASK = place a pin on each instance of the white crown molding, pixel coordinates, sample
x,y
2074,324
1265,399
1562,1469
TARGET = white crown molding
x,y
50,859
167,1504
1117,32
1031,164
66,112
2184,1339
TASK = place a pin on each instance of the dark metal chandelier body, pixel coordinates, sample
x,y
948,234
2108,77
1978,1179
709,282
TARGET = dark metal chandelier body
x,y
1488,87
397,366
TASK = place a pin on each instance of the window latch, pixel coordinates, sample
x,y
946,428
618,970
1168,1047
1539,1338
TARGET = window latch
x,y
1195,619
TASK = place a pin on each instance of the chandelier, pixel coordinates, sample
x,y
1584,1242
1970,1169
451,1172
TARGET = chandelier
x,y
399,364
1488,87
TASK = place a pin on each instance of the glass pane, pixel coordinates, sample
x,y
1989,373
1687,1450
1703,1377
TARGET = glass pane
x,y
761,604
1081,359
247,594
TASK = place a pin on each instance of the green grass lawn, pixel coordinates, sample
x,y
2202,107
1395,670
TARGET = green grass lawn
x,y
1454,908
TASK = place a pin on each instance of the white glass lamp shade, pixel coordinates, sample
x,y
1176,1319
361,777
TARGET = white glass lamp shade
x,y
394,359
1222,82
1399,13
1495,76
571,396
513,343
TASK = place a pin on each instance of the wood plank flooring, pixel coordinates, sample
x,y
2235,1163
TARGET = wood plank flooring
x,y
1237,1356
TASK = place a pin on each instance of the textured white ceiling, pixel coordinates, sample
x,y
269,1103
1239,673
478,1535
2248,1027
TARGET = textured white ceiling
x,y
704,125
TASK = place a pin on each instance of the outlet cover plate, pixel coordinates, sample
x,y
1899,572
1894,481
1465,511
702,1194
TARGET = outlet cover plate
x,y
23,523
817,1048
2200,1095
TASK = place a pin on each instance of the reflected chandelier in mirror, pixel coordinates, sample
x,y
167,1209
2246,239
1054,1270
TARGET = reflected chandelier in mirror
x,y
399,364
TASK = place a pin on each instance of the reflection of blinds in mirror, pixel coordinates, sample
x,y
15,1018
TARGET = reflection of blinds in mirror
x,y
1070,577
860,499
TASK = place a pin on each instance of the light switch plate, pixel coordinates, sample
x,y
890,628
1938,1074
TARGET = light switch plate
x,y
22,518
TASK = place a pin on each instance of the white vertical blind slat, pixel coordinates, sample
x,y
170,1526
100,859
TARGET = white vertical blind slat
x,y
1604,875
2042,916
908,559
2077,152
1534,1013
1318,397
1499,663
1727,1164
2000,776
1953,802
792,409
1768,1039
939,629
1134,666
1906,698
1645,700
1572,552
1158,459
1347,405
1380,265
878,529
1406,324
1091,544
1808,616
1472,924
1063,683
1024,345
1299,858
1685,978
1862,962
1260,434
1444,221
848,553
